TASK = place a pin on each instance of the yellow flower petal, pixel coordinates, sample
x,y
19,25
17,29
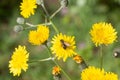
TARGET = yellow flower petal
x,y
92,73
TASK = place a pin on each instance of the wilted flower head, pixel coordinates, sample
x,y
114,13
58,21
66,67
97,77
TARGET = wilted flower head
x,y
56,71
78,59
20,20
18,28
103,33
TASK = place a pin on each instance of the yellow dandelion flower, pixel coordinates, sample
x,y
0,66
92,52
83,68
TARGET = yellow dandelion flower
x,y
63,46
56,71
92,73
39,36
27,8
103,33
19,60
111,76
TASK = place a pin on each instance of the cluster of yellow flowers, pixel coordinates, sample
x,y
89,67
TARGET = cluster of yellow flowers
x,y
63,46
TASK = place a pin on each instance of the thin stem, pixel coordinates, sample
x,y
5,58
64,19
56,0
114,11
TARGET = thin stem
x,y
34,26
58,64
62,70
101,57
31,25
54,27
48,49
46,12
42,60
56,12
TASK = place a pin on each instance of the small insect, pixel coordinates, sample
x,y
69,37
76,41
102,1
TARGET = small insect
x,y
64,44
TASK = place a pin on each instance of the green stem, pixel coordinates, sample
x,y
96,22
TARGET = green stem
x,y
42,60
54,27
101,57
46,12
58,64
55,12
31,25
62,70
49,18
48,49
34,26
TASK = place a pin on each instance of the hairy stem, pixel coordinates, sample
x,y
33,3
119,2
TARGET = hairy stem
x,y
58,64
101,57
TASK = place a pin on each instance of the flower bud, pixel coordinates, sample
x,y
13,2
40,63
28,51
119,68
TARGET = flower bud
x,y
63,3
116,53
20,20
38,2
18,28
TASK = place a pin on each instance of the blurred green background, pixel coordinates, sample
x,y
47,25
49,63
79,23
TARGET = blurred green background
x,y
76,19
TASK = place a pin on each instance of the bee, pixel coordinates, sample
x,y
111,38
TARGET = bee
x,y
64,44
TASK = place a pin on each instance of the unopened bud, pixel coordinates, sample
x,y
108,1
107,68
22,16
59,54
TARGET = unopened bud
x,y
116,53
18,28
20,20
38,2
63,3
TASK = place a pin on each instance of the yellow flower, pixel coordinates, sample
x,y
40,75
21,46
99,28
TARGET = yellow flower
x,y
111,76
27,8
19,60
103,33
39,36
63,46
92,73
